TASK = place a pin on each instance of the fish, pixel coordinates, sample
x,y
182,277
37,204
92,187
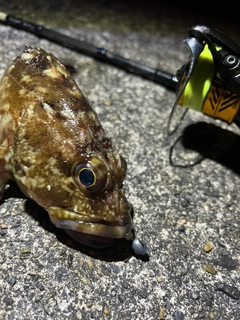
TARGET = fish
x,y
55,148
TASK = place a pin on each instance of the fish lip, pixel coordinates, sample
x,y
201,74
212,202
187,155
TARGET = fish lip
x,y
88,225
89,239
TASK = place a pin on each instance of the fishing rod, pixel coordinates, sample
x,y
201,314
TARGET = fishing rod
x,y
209,82
164,78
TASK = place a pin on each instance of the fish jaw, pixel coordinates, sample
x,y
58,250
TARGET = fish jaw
x,y
87,230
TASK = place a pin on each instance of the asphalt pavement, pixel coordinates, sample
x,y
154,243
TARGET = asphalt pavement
x,y
187,214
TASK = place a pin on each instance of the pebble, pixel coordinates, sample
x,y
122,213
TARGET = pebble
x,y
84,280
182,228
161,313
209,268
182,222
195,295
2,232
89,304
61,252
25,250
121,298
106,310
208,246
46,308
229,290
143,293
12,281
9,301
115,268
38,298
70,260
178,315
99,271
90,263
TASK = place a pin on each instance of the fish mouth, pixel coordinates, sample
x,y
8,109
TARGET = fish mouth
x,y
90,240
86,229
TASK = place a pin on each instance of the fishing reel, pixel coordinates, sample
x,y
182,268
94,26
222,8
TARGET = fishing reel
x,y
210,81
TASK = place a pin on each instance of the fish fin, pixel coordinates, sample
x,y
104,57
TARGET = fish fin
x,y
4,174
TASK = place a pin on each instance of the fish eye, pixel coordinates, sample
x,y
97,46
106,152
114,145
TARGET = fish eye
x,y
87,177
90,174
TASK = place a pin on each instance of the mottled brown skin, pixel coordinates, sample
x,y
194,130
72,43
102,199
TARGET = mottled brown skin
x,y
48,135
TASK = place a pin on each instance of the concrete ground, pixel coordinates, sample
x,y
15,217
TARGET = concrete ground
x,y
178,210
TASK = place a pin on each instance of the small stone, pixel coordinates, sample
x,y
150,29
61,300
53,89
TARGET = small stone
x,y
38,298
143,293
178,315
4,226
211,315
106,310
230,291
115,268
89,304
51,294
2,232
99,271
12,281
182,228
181,225
181,271
182,222
183,251
159,279
90,263
107,102
209,268
84,280
164,258
185,203
161,313
121,298
70,260
195,295
9,301
208,246
61,252
46,308
201,315
25,250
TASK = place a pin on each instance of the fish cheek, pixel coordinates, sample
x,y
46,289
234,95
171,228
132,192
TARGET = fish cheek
x,y
47,188
38,172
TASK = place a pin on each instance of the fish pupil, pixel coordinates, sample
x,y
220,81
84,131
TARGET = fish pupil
x,y
86,177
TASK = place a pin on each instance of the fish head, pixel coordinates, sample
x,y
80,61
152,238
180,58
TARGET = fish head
x,y
80,187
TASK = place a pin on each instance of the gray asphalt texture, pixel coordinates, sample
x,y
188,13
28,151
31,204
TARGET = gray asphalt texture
x,y
178,210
